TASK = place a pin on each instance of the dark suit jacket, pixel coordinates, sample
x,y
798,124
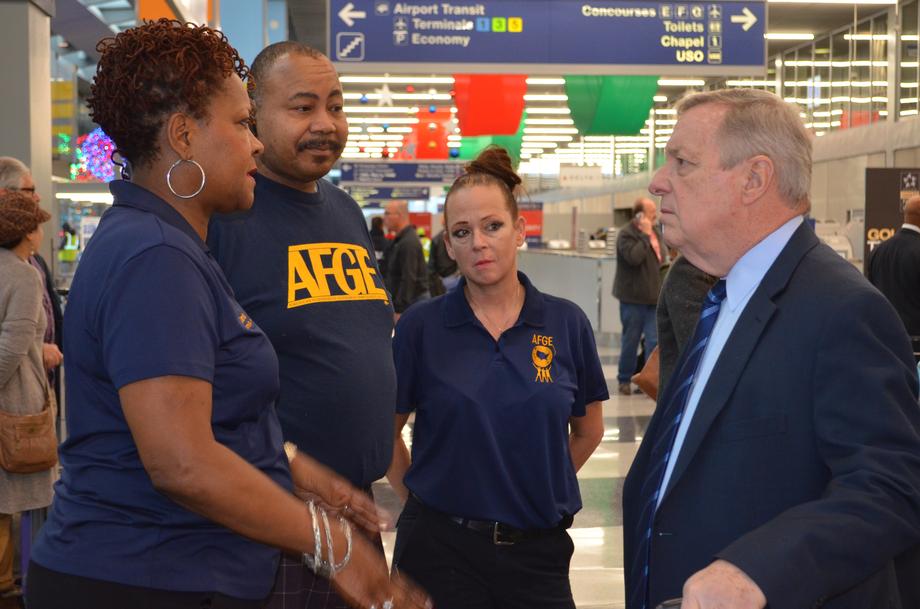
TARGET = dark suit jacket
x,y
894,268
638,276
802,463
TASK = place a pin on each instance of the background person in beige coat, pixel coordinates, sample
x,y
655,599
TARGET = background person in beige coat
x,y
22,382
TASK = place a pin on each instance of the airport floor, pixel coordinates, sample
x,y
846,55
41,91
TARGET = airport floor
x,y
597,565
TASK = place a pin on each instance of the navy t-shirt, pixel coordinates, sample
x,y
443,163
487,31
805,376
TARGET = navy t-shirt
x,y
492,417
303,265
147,301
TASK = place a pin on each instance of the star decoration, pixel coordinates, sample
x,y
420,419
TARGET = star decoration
x,y
385,96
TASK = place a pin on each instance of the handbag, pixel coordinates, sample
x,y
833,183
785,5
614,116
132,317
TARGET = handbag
x,y
28,442
647,378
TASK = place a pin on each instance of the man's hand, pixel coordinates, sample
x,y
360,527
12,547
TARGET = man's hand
x,y
644,225
722,585
51,356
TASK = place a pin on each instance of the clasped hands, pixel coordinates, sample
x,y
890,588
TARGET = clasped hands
x,y
366,583
339,498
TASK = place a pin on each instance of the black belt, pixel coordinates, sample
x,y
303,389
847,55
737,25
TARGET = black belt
x,y
501,534
504,534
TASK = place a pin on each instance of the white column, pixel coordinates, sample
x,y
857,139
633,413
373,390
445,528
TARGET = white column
x,y
25,123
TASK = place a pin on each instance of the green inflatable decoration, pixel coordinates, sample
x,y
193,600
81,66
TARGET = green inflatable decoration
x,y
610,105
470,147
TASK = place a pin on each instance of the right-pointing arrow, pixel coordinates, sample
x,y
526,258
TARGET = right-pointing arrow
x,y
747,19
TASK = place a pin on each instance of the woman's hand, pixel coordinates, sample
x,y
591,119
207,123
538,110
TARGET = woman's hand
x,y
314,481
340,498
365,582
51,356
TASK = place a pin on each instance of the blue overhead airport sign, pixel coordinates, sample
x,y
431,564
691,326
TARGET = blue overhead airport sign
x,y
719,38
393,172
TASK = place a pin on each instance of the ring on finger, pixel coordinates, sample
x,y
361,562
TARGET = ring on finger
x,y
388,604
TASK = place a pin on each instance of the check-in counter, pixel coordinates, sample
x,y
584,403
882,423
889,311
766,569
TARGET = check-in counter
x,y
584,278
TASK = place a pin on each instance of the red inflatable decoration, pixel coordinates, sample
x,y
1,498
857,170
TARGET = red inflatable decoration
x,y
489,104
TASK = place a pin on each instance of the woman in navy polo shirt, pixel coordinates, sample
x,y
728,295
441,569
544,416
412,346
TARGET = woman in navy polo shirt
x,y
502,428
175,489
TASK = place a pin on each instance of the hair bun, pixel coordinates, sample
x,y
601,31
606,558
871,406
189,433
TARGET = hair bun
x,y
495,161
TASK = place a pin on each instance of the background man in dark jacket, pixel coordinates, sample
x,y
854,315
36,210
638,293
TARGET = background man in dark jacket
x,y
894,268
640,253
406,274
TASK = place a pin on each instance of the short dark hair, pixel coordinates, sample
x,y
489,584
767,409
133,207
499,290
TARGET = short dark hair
x,y
264,62
150,71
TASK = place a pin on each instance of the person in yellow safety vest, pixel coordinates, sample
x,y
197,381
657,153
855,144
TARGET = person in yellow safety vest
x,y
426,244
70,244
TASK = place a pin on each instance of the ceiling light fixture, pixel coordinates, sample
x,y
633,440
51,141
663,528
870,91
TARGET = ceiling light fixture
x,y
681,82
789,36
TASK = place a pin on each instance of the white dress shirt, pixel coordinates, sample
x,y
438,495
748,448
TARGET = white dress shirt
x,y
740,283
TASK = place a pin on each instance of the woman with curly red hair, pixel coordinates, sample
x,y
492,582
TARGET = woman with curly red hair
x,y
176,491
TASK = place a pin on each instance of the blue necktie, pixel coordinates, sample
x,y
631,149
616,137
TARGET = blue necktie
x,y
661,450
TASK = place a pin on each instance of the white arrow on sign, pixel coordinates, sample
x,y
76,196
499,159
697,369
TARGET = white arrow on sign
x,y
348,14
747,19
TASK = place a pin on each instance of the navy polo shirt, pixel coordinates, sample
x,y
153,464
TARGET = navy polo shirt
x,y
491,437
147,301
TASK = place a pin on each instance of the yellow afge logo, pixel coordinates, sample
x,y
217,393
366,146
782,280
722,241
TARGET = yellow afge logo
x,y
542,357
331,272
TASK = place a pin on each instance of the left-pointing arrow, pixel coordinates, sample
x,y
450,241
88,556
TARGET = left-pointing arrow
x,y
348,14
747,19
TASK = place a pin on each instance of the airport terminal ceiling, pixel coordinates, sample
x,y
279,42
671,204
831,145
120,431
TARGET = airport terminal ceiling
x,y
382,108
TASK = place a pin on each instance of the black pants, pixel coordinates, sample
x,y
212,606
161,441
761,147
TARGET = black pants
x,y
463,569
47,589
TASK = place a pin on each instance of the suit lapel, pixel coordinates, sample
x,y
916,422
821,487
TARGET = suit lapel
x,y
740,345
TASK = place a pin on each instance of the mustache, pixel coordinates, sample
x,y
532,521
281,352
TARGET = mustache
x,y
321,144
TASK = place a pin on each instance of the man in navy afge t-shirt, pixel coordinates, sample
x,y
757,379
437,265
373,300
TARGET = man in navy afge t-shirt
x,y
302,264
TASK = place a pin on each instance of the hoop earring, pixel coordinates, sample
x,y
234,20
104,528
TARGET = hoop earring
x,y
169,178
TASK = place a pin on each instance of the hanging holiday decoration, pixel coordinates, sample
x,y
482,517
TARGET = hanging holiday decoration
x,y
364,99
385,96
93,158
428,139
610,105
489,104
470,147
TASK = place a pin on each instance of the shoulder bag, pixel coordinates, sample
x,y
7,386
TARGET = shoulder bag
x,y
28,442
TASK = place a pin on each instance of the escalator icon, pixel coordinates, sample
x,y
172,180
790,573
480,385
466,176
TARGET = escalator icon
x,y
349,46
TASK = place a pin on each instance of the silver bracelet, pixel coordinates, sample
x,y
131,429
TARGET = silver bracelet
x,y
346,529
315,561
330,546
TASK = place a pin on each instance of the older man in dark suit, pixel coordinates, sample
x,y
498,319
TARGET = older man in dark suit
x,y
782,465
640,254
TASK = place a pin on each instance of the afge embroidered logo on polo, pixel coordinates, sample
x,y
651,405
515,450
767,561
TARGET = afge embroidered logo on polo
x,y
245,321
331,272
542,357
